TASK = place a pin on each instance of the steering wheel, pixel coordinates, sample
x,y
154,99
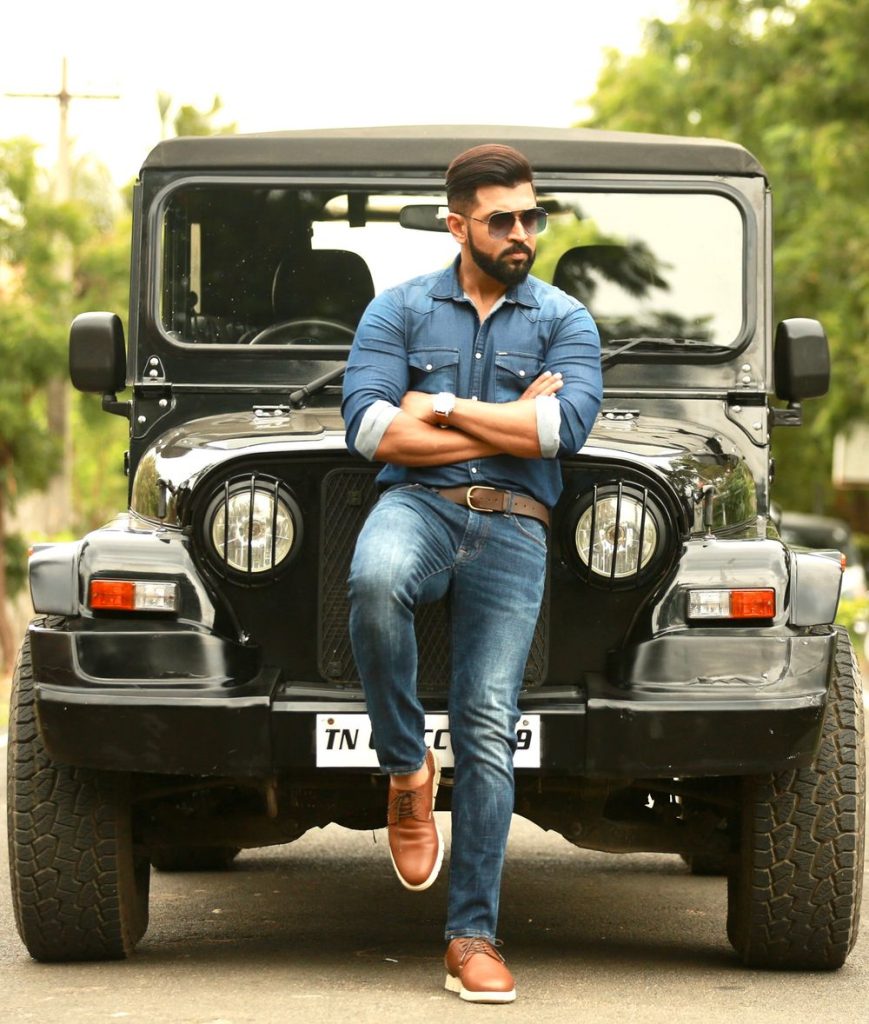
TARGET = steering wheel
x,y
302,331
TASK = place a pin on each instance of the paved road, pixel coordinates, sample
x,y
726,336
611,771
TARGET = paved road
x,y
321,931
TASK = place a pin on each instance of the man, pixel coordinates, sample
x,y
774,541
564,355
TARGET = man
x,y
467,383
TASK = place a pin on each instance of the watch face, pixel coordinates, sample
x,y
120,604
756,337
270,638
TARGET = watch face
x,y
443,403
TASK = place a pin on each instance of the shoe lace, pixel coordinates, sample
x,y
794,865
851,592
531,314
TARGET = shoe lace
x,y
403,805
476,944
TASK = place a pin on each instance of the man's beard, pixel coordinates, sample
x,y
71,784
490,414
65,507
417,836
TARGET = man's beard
x,y
499,268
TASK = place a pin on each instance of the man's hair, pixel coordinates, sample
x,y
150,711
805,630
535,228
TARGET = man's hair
x,y
491,164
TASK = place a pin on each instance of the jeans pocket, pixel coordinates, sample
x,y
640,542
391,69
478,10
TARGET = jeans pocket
x,y
531,529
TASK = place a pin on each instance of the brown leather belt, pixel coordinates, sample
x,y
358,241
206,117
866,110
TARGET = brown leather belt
x,y
487,499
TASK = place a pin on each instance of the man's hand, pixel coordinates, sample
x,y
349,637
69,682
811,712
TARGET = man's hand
x,y
546,384
420,406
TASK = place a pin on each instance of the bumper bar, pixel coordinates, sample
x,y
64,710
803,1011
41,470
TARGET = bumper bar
x,y
235,718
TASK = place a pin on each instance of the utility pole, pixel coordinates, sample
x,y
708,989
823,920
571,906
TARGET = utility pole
x,y
51,512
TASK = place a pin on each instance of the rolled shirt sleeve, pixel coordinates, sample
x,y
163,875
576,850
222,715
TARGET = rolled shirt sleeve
x,y
575,353
376,377
373,426
548,425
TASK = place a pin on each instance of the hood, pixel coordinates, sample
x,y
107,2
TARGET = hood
x,y
707,472
176,461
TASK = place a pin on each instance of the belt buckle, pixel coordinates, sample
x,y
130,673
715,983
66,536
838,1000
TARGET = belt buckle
x,y
477,487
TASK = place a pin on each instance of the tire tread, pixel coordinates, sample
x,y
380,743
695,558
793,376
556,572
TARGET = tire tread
x,y
794,897
74,893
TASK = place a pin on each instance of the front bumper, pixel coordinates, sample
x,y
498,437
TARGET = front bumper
x,y
665,710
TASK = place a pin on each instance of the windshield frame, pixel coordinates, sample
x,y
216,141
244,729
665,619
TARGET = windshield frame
x,y
424,183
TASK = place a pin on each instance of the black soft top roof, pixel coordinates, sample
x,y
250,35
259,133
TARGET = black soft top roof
x,y
432,147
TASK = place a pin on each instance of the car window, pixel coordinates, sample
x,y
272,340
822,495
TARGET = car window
x,y
238,260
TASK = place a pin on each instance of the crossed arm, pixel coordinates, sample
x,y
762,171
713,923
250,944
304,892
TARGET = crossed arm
x,y
476,430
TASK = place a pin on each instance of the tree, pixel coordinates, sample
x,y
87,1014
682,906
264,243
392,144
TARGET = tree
x,y
787,79
31,338
189,120
101,281
39,239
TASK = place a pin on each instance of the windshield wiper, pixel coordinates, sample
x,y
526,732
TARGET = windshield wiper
x,y
657,345
297,398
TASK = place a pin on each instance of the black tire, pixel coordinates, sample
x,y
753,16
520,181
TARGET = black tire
x,y
78,890
794,893
194,858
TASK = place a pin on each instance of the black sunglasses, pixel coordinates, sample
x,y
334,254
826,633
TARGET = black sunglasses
x,y
501,224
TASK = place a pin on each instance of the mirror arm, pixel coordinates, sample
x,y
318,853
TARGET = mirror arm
x,y
792,416
116,408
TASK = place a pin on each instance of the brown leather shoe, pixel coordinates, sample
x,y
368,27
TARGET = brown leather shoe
x,y
477,972
415,843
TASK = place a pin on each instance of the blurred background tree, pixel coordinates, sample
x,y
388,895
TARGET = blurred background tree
x,y
39,239
787,79
189,120
32,344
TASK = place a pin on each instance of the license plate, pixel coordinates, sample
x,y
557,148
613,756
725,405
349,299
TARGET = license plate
x,y
345,741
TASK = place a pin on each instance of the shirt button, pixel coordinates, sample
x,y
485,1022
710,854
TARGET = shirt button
x,y
479,355
473,469
473,398
428,366
521,373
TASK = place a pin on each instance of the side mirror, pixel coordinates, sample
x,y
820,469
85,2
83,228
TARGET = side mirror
x,y
98,357
801,360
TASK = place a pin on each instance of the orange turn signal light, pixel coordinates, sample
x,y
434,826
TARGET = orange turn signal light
x,y
752,604
113,595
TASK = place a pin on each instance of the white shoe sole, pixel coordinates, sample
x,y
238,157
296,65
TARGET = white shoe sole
x,y
435,871
453,984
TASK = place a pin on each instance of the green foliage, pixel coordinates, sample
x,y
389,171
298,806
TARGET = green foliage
x,y
853,614
788,80
16,564
43,245
32,339
99,442
102,281
189,120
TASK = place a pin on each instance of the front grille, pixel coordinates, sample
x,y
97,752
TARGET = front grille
x,y
347,496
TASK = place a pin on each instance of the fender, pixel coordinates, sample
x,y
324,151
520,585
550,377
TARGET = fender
x,y
816,581
60,573
54,580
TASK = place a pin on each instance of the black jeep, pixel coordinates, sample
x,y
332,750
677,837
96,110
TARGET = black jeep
x,y
188,689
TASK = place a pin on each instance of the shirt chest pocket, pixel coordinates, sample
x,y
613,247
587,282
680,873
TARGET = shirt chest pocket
x,y
433,370
514,371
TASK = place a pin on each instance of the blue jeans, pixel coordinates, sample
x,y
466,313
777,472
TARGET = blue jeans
x,y
413,548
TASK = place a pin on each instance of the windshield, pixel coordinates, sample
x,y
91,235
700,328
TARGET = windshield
x,y
260,265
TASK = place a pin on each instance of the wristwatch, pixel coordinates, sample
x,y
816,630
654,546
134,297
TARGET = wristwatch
x,y
443,404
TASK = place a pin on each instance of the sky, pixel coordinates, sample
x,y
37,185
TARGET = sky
x,y
285,65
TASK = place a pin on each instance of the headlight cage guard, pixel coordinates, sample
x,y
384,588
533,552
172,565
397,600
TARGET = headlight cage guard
x,y
650,513
251,483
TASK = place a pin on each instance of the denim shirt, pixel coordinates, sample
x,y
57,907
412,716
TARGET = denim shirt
x,y
425,335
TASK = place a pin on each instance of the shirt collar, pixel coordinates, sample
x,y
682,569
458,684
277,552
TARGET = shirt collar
x,y
446,286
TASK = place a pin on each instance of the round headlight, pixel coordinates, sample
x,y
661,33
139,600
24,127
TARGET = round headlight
x,y
253,527
620,528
